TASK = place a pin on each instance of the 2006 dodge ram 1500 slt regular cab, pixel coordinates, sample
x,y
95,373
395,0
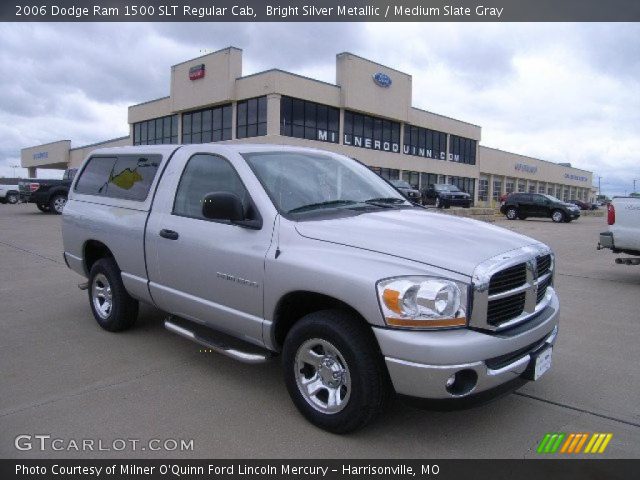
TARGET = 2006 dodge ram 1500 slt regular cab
x,y
259,250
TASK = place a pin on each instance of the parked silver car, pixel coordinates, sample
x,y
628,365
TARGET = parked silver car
x,y
263,250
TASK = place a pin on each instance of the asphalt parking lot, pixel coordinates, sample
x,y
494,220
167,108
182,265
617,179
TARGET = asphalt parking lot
x,y
61,375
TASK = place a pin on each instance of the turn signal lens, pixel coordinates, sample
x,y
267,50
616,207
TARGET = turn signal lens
x,y
423,302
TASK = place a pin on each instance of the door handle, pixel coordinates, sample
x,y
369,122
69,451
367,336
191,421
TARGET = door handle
x,y
169,234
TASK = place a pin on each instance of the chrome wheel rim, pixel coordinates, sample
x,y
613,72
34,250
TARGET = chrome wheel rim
x,y
511,214
557,216
322,376
101,296
12,199
59,204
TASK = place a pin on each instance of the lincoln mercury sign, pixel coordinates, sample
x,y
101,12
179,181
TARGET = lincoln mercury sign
x,y
523,167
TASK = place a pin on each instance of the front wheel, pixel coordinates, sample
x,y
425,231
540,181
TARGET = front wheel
x,y
557,216
57,203
334,371
512,213
112,307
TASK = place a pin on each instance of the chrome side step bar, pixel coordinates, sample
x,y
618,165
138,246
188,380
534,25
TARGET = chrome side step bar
x,y
215,341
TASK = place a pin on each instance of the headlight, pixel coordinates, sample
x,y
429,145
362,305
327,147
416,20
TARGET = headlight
x,y
423,302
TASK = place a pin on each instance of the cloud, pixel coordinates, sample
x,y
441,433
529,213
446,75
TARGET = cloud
x,y
561,92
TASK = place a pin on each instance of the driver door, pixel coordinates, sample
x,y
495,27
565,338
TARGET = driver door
x,y
204,270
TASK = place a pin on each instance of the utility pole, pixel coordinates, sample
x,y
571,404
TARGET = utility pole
x,y
634,185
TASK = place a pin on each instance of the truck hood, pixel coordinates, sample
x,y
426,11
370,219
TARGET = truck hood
x,y
444,241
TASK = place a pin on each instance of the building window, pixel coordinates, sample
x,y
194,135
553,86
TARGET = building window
x,y
156,131
532,188
427,179
510,186
497,190
462,150
423,142
371,132
412,178
483,189
550,191
541,188
252,118
208,125
521,186
465,184
565,196
313,121
388,173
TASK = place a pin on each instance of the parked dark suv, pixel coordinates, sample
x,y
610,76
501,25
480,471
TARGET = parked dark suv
x,y
445,195
523,205
407,190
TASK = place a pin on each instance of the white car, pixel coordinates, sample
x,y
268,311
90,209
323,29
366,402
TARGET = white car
x,y
623,217
9,194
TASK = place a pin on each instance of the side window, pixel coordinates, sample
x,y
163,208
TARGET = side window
x,y
95,176
202,175
132,176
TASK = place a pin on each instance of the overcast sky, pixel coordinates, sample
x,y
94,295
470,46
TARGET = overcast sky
x,y
560,92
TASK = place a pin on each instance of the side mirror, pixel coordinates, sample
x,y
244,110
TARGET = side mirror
x,y
223,206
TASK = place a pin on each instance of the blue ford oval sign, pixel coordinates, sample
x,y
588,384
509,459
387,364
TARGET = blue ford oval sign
x,y
382,80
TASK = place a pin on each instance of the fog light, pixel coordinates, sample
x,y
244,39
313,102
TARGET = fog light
x,y
462,382
450,381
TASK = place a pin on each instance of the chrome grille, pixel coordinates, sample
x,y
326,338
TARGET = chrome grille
x,y
511,288
508,279
504,309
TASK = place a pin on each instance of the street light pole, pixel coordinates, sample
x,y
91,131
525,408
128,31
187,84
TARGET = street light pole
x,y
18,166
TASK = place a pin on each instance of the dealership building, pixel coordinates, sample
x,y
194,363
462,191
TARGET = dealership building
x,y
367,114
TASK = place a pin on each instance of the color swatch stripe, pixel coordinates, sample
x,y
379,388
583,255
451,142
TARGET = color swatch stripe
x,y
572,443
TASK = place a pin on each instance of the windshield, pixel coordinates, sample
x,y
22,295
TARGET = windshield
x,y
447,188
400,184
553,199
300,181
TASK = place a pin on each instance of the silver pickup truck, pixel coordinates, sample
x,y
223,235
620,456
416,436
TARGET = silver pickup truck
x,y
263,250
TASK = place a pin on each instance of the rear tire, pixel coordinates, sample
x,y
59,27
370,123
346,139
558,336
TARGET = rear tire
x,y
12,198
511,213
558,216
112,307
57,203
334,372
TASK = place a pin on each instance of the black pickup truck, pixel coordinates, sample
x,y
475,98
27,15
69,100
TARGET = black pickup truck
x,y
48,195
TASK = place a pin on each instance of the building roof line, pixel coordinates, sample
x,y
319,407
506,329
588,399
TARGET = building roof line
x,y
445,116
376,63
230,47
150,101
45,144
536,159
279,70
98,143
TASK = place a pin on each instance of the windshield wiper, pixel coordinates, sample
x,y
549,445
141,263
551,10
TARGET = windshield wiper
x,y
314,206
385,201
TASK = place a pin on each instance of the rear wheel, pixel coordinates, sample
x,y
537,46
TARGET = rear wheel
x,y
512,213
334,372
112,307
558,216
12,198
57,203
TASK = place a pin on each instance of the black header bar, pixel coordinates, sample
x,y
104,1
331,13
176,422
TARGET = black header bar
x,y
320,11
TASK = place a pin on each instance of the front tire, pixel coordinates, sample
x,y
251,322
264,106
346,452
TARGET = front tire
x,y
558,216
511,213
334,372
112,307
57,203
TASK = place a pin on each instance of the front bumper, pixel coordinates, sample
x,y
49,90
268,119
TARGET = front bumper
x,y
421,362
573,214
